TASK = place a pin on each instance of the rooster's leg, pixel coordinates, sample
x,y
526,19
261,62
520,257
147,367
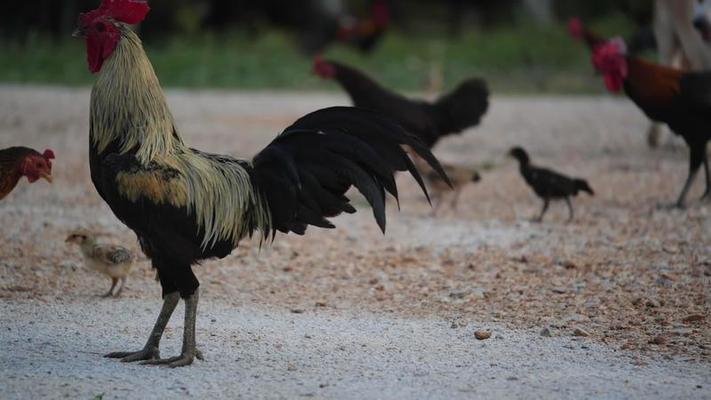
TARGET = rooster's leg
x,y
696,158
654,133
190,351
151,350
707,192
543,211
571,213
113,285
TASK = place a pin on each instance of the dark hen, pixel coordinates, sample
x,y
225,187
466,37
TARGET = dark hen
x,y
452,113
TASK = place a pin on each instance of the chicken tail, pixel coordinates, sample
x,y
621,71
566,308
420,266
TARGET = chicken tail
x,y
305,172
462,108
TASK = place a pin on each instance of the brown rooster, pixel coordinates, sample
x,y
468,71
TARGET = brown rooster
x,y
682,100
452,113
186,205
16,162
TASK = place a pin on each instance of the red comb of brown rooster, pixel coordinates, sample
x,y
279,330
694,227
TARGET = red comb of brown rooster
x,y
126,11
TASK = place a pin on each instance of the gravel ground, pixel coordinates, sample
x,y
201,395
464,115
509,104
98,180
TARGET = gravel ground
x,y
631,277
268,353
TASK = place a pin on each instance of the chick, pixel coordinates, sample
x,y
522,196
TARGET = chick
x,y
549,185
460,178
111,260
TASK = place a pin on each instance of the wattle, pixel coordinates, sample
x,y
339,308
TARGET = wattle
x,y
614,82
95,54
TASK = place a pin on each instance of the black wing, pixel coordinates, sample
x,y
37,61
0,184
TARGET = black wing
x,y
550,183
695,89
305,172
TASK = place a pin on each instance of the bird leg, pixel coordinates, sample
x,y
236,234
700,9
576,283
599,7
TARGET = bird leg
x,y
113,285
543,211
151,350
120,289
571,214
438,203
455,200
696,158
654,134
707,192
189,351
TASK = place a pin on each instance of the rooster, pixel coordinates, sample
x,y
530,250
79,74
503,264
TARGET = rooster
x,y
16,162
451,113
365,34
682,100
549,185
186,205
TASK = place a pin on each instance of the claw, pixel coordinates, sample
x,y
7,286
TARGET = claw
x,y
173,362
132,356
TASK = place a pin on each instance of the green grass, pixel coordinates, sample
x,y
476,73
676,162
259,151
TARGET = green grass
x,y
520,59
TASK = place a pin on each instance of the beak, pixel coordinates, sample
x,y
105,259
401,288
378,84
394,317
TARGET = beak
x,y
46,177
78,33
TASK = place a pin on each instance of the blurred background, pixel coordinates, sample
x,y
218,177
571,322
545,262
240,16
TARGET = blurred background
x,y
520,46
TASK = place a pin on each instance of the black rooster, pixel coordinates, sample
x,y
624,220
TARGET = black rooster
x,y
186,205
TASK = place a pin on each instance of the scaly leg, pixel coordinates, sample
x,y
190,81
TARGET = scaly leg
x,y
189,351
707,192
571,214
113,285
120,289
654,134
151,350
696,158
543,211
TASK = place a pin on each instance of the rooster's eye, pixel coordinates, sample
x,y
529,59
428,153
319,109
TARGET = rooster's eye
x,y
100,27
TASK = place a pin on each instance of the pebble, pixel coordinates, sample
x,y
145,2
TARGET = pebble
x,y
482,334
658,340
580,332
546,332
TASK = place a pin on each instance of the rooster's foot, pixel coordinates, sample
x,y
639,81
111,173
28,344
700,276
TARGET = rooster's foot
x,y
146,354
182,360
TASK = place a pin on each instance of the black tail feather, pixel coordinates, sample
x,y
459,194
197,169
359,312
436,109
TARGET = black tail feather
x,y
305,172
463,107
583,186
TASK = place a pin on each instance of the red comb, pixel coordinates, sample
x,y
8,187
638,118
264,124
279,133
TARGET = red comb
x,y
575,27
48,154
127,11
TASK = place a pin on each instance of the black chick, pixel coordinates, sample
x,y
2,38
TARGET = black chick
x,y
549,185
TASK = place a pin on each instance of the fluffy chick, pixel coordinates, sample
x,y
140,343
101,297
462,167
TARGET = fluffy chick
x,y
111,260
459,176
